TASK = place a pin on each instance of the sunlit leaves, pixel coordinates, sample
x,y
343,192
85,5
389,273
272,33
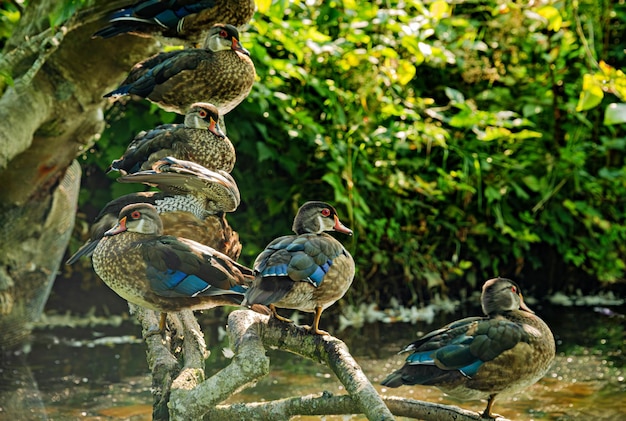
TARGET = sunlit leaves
x,y
438,9
591,94
9,16
552,16
263,6
606,80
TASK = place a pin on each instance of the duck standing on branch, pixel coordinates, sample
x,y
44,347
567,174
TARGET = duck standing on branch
x,y
183,19
199,139
220,73
480,357
165,273
191,205
308,271
177,176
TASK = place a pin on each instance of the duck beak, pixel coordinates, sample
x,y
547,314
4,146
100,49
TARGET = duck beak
x,y
523,306
238,47
341,227
119,227
215,128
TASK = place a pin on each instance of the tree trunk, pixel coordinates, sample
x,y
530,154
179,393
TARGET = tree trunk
x,y
52,112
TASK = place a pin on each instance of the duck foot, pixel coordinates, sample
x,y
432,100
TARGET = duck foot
x,y
487,412
160,330
316,331
278,316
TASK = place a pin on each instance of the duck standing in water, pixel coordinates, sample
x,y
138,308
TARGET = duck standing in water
x,y
308,271
480,357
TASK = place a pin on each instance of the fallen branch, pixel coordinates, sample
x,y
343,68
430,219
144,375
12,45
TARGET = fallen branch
x,y
328,404
251,334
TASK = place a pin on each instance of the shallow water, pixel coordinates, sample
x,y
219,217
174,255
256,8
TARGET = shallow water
x,y
100,373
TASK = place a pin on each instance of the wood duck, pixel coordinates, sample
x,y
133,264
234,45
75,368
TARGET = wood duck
x,y
308,271
220,73
182,19
165,273
505,351
218,189
199,139
182,215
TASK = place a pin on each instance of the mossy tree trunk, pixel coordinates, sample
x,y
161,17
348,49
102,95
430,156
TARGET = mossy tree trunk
x,y
50,111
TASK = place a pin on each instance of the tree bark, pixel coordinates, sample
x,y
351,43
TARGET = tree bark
x,y
51,113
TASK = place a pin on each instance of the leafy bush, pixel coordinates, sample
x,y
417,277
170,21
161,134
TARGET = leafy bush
x,y
459,141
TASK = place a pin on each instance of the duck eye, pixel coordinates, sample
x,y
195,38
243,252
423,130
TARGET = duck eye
x,y
514,290
202,113
325,212
135,215
223,33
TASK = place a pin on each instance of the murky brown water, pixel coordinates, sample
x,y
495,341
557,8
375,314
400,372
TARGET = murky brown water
x,y
78,375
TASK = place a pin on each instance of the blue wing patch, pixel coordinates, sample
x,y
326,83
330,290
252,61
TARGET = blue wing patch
x,y
175,282
419,358
318,276
472,369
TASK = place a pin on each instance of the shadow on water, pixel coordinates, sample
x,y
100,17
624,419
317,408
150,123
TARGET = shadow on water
x,y
100,373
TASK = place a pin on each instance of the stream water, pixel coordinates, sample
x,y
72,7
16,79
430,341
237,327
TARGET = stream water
x,y
98,371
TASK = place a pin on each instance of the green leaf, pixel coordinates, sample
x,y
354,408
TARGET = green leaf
x,y
532,182
263,6
264,152
552,15
454,95
615,114
406,72
439,9
591,95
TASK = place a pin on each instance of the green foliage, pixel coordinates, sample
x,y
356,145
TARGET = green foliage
x,y
459,141
64,10
9,17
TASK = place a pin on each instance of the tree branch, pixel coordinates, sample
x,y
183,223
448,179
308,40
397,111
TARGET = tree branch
x,y
327,404
249,364
332,352
250,334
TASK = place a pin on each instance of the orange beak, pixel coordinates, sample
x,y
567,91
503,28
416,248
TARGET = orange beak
x,y
341,227
238,47
119,227
216,129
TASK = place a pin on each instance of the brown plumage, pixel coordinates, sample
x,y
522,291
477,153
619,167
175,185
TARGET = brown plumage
x,y
217,188
220,73
162,272
190,206
308,271
199,139
507,350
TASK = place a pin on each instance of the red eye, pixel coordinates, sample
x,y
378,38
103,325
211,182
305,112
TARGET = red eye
x,y
135,215
202,113
223,34
325,212
514,289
